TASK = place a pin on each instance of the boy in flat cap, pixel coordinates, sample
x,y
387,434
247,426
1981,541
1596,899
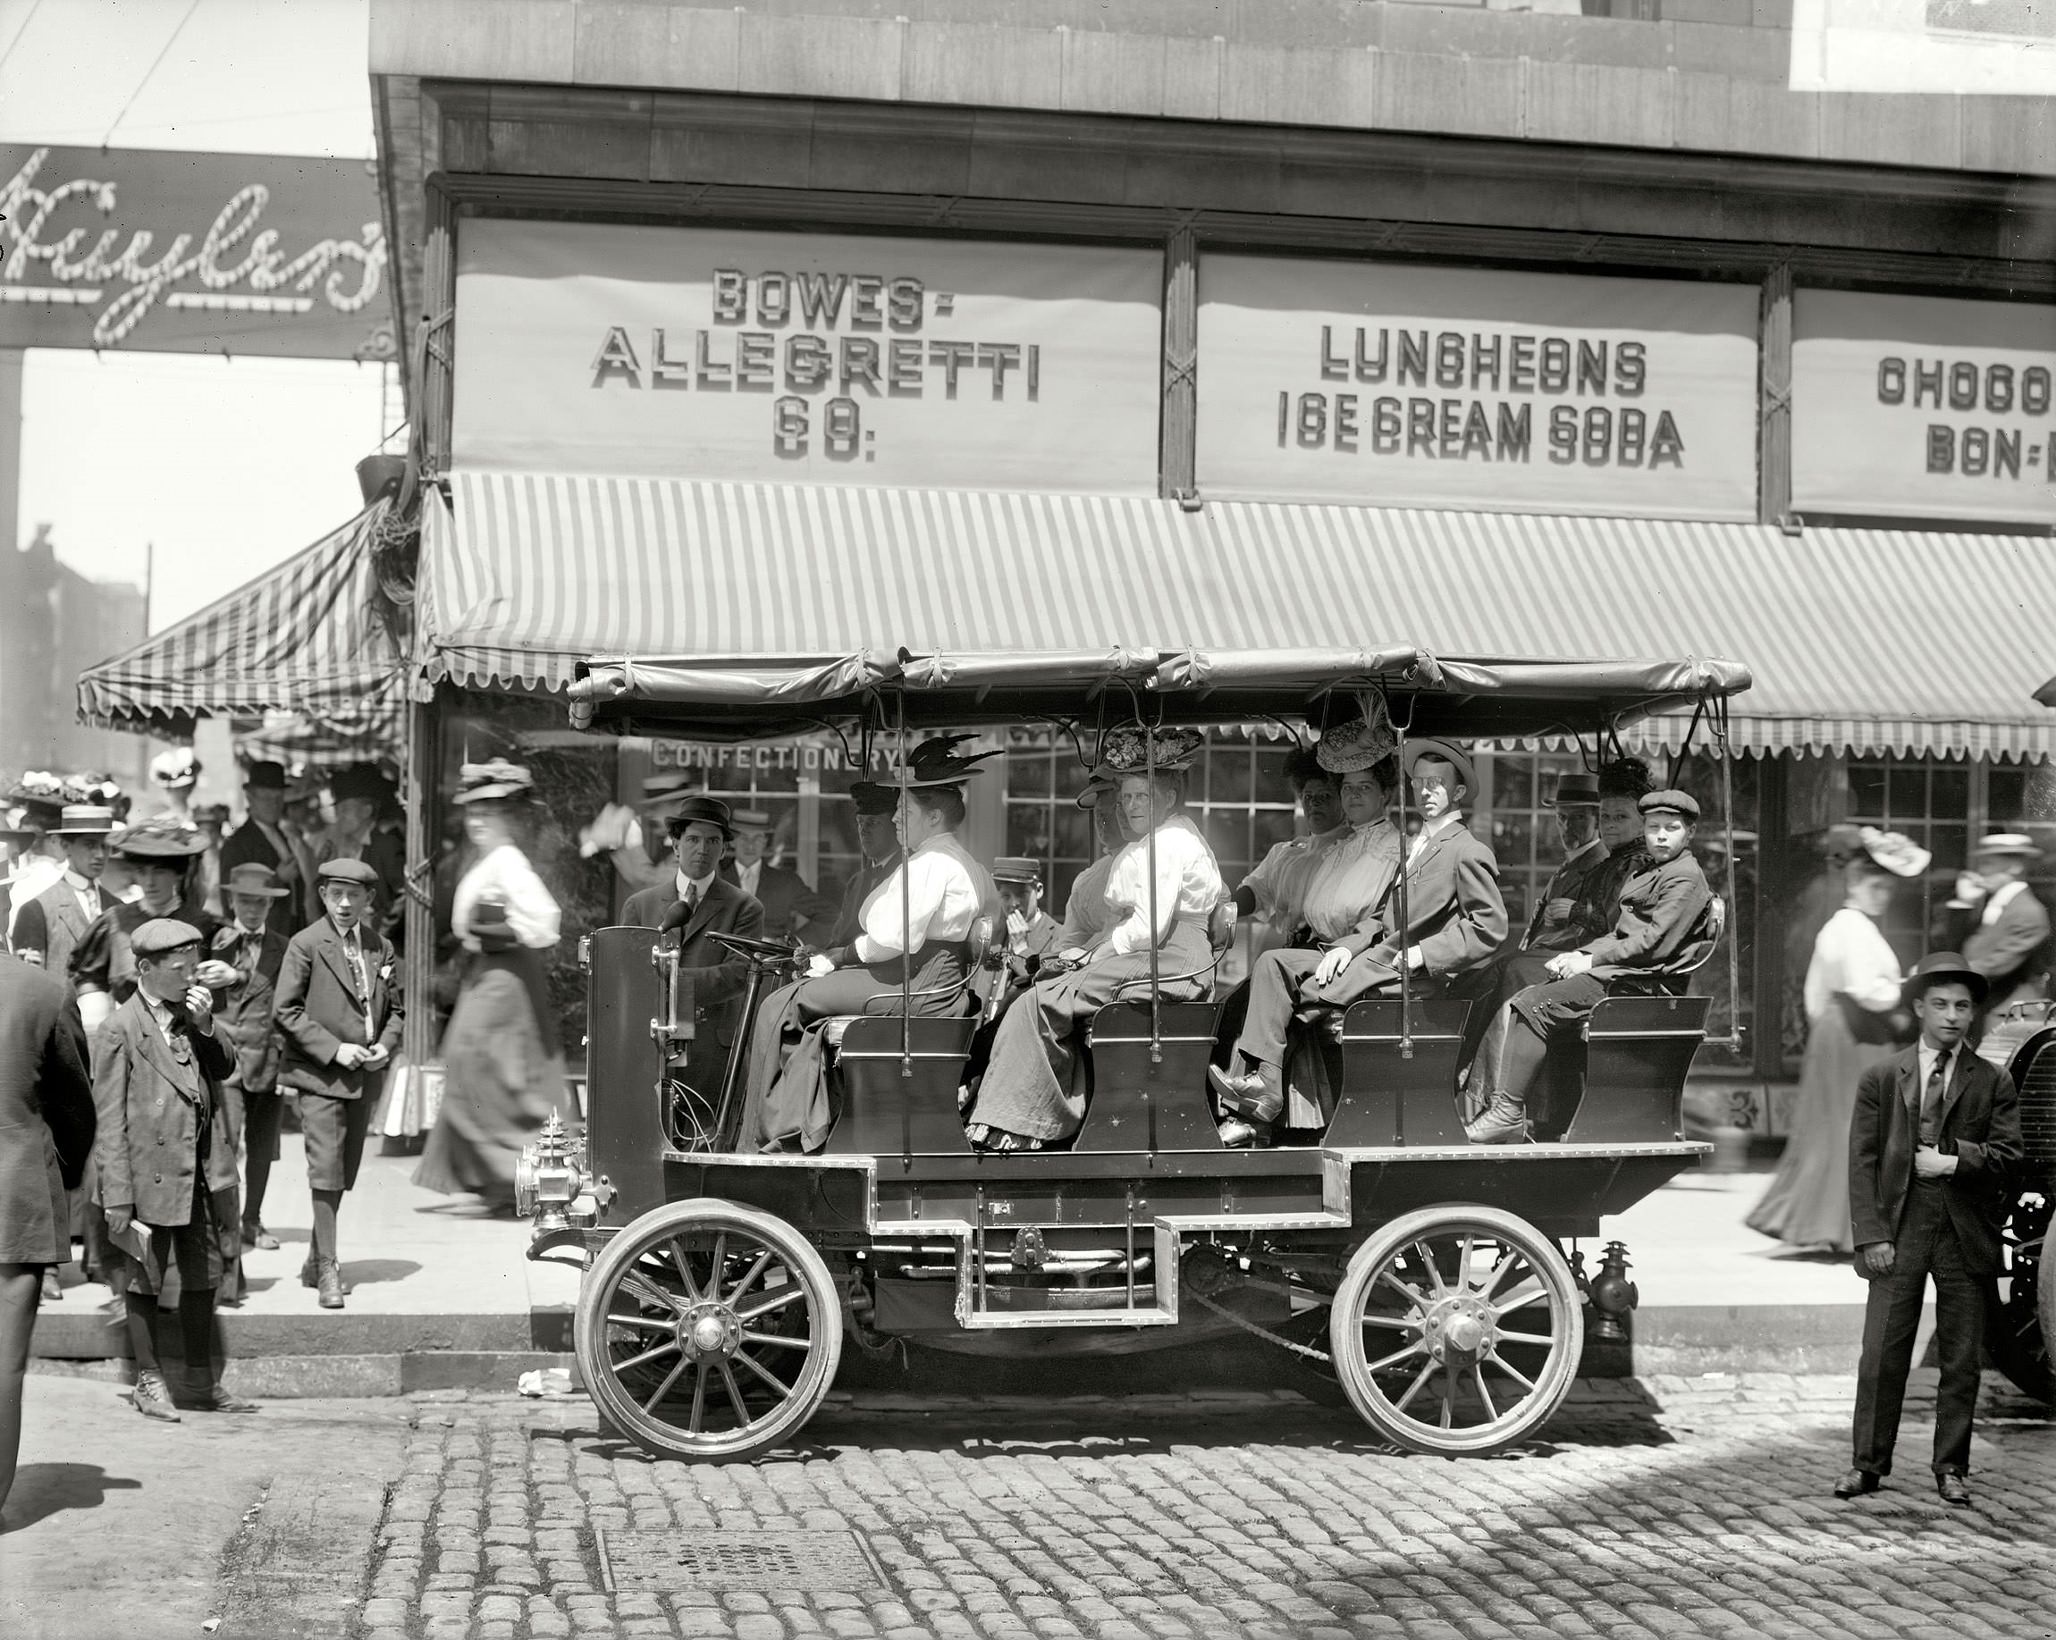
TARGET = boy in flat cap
x,y
1667,924
340,1009
162,1153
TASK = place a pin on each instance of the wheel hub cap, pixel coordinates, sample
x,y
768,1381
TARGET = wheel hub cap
x,y
1460,1330
709,1329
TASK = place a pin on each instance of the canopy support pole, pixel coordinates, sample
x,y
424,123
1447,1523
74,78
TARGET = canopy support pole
x,y
1406,1040
1156,1014
423,756
906,902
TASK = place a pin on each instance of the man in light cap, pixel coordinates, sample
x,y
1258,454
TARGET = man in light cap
x,y
1667,924
162,1152
792,905
339,1008
2008,938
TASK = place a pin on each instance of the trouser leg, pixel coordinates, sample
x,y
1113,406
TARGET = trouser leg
x,y
1273,989
21,1287
1959,1339
1891,1318
263,1112
326,1204
196,1338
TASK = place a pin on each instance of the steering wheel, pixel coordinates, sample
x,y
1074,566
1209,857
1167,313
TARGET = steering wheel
x,y
754,950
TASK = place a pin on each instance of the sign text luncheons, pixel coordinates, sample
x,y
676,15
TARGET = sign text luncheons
x,y
1915,407
876,361
1466,388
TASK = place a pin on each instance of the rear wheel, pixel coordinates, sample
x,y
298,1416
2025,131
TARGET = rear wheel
x,y
707,1330
2018,1337
1457,1330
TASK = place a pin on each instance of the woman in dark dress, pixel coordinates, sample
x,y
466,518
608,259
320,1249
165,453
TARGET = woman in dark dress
x,y
503,1068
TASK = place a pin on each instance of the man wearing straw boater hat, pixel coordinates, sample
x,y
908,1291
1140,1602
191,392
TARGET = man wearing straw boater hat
x,y
1932,1145
792,905
915,937
2008,941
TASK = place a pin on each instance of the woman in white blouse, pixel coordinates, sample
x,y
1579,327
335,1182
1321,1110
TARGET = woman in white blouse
x,y
503,1067
1854,1019
919,918
1029,1096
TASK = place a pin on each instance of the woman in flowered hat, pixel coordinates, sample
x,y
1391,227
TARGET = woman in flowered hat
x,y
1854,1020
504,1067
1029,1096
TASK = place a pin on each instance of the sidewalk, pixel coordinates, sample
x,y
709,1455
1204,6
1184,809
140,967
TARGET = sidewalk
x,y
443,1297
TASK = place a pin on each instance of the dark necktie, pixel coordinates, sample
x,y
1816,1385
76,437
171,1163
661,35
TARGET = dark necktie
x,y
692,900
1931,1098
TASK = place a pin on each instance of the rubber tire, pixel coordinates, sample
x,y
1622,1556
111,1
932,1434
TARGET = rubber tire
x,y
622,1411
1567,1316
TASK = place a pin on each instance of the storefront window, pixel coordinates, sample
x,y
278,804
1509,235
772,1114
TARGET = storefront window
x,y
1932,803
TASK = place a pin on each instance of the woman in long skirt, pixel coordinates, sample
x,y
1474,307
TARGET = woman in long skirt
x,y
503,1068
1853,1021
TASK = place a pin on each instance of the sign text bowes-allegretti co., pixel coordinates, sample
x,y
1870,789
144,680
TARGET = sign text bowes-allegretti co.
x,y
74,241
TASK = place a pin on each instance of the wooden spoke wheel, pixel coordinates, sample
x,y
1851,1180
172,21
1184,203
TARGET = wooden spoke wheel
x,y
1456,1330
2019,1329
707,1330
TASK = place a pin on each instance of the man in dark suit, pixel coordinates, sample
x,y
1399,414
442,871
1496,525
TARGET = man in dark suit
x,y
877,807
696,904
1935,1134
2008,939
264,839
1666,925
161,1156
248,1008
46,1133
792,905
339,1008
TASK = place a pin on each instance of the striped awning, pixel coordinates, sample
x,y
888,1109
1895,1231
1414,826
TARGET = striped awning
x,y
306,638
1859,640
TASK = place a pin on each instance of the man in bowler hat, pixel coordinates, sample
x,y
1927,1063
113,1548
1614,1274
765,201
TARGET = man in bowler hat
x,y
266,839
1935,1134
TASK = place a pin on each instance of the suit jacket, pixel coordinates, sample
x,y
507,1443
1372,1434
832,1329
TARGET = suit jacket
x,y
2014,953
788,900
1455,912
51,925
152,1112
318,1010
714,978
1568,882
1979,1122
248,1010
46,1113
1665,922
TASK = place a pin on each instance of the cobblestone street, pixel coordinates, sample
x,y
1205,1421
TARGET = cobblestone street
x,y
1679,1507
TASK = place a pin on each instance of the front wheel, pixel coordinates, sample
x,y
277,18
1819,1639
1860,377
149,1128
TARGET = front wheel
x,y
1457,1330
707,1330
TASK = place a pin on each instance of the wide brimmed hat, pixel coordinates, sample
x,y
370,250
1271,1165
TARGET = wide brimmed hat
x,y
874,797
38,799
100,790
1843,842
217,812
1669,801
699,809
162,934
1894,851
265,776
660,791
2016,844
176,769
1446,752
158,838
751,820
363,782
253,877
1132,748
84,820
1096,787
935,763
1360,743
497,781
1016,868
1574,791
1944,967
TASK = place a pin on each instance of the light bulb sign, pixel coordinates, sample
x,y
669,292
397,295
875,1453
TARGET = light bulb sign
x,y
806,358
191,253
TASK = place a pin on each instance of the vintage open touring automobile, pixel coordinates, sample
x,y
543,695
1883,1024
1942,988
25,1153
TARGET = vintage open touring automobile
x,y
1424,1279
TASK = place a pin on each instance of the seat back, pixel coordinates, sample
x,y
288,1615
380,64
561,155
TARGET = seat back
x,y
1389,1097
1141,1102
1637,1051
885,1113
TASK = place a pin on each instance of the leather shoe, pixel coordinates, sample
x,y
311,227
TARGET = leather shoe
x,y
152,1397
310,1274
255,1235
53,1284
212,1397
1857,1482
1954,1489
1240,1134
1240,1093
1505,1122
332,1288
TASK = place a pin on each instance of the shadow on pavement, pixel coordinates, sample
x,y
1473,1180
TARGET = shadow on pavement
x,y
363,1271
45,1489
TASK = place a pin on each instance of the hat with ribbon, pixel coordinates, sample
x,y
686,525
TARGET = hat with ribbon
x,y
1894,851
1944,968
751,820
496,781
39,799
1016,868
91,787
2014,843
1442,751
1134,749
158,838
162,934
1574,791
934,763
84,820
700,809
874,797
254,877
1096,787
176,769
1358,744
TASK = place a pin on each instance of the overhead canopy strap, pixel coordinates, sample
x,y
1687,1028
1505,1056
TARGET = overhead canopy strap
x,y
529,574
305,638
